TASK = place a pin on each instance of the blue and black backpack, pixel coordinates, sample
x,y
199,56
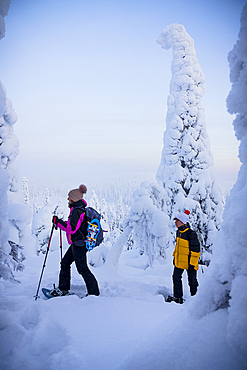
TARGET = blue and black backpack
x,y
94,235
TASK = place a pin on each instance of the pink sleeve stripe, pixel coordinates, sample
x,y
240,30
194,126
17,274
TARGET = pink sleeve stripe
x,y
61,226
69,228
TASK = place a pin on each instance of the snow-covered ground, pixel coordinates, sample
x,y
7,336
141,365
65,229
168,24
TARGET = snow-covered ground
x,y
129,326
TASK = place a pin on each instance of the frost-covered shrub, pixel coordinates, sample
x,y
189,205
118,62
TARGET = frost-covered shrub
x,y
42,223
98,256
20,218
20,215
149,223
17,256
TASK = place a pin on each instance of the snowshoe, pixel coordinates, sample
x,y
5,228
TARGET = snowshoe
x,y
174,299
93,230
55,292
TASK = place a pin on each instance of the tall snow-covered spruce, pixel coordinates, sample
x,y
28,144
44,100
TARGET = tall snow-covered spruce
x,y
186,168
226,281
5,265
185,176
9,144
15,216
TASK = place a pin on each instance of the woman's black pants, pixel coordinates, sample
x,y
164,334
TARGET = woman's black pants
x,y
79,256
177,281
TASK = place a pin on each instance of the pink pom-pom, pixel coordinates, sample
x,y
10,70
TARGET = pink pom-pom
x,y
187,212
83,188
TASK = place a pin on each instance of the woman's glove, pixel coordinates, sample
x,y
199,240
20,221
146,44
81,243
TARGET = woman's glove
x,y
55,221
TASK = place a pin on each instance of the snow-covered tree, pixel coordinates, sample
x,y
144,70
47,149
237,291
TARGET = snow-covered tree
x,y
47,196
9,144
5,264
4,8
25,190
112,217
36,205
120,214
5,260
104,211
186,168
104,220
94,202
226,281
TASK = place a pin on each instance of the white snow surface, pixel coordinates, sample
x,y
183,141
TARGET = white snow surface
x,y
129,326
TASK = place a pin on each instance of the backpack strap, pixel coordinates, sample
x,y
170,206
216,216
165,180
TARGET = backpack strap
x,y
83,211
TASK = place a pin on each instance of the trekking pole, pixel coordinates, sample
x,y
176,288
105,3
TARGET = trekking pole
x,y
61,244
42,271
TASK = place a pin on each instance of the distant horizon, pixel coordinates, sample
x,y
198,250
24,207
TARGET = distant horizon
x,y
60,179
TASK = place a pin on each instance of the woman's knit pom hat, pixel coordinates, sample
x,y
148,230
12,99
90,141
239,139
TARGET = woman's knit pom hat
x,y
183,217
77,194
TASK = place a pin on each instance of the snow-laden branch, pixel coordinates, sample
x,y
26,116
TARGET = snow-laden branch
x,y
117,248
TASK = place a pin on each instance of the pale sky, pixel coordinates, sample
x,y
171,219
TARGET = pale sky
x,y
89,83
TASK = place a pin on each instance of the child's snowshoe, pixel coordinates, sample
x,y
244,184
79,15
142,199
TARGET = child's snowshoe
x,y
174,299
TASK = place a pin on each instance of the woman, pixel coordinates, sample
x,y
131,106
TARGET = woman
x,y
76,231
